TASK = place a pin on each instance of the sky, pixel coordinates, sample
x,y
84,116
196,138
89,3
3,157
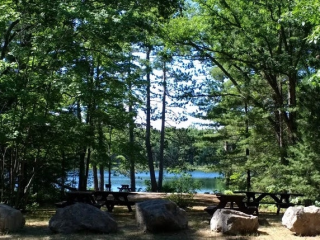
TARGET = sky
x,y
173,111
190,122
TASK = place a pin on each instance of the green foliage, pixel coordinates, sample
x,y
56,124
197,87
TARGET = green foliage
x,y
259,55
184,187
168,187
228,192
69,72
32,207
147,183
66,75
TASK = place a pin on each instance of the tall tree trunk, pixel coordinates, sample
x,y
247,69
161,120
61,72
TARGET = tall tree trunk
x,y
292,101
281,121
162,135
153,180
132,158
95,177
63,176
82,178
100,184
82,154
247,149
109,158
101,178
88,166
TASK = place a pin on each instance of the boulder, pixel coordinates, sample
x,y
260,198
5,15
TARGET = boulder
x,y
82,217
230,221
10,219
160,216
304,221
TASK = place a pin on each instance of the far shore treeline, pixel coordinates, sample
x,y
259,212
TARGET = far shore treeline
x,y
82,82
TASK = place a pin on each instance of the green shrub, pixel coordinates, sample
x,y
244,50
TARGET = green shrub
x,y
228,192
168,187
184,189
32,207
148,185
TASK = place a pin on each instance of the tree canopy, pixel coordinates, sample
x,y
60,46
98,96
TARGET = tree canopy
x,y
76,77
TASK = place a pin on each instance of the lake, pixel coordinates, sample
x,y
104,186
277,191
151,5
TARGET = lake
x,y
210,181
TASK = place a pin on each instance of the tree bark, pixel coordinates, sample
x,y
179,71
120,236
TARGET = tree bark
x,y
95,177
154,187
132,158
162,135
101,169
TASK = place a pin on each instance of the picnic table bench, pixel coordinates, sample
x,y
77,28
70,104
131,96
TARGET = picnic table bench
x,y
234,202
98,199
281,200
79,196
110,199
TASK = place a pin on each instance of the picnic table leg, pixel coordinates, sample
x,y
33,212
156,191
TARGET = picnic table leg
x,y
278,210
125,198
110,207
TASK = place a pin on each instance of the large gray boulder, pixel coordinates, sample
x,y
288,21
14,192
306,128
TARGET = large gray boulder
x,y
160,216
303,221
10,219
229,221
82,217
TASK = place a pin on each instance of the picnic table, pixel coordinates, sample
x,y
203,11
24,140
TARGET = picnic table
x,y
79,196
108,187
110,199
235,202
281,200
124,188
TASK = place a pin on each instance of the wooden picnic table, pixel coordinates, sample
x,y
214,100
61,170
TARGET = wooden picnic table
x,y
124,188
235,202
110,199
281,200
79,196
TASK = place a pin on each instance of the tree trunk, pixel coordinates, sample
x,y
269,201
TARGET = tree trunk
x,y
162,136
292,101
154,187
101,178
247,149
82,155
109,158
63,177
87,166
82,178
132,158
95,177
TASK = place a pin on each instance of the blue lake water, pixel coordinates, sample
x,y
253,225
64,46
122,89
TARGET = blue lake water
x,y
210,181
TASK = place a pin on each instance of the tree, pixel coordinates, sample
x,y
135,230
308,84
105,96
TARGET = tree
x,y
262,53
61,65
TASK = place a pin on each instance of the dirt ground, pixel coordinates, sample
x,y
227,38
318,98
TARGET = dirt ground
x,y
198,220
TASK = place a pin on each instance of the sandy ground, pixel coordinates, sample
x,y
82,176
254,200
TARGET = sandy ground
x,y
199,199
199,225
